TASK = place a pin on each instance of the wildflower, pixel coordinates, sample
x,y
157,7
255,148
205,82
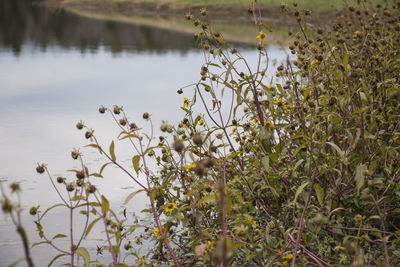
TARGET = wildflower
x,y
200,123
271,87
185,102
269,124
278,247
357,33
156,233
330,54
255,121
169,207
252,221
286,259
190,167
278,101
233,129
261,36
211,247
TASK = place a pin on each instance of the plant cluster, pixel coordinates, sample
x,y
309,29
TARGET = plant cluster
x,y
300,169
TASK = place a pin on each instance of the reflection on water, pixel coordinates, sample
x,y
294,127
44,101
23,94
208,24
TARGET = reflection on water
x,y
56,69
27,21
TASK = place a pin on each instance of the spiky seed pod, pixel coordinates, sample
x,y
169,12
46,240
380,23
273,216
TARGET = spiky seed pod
x,y
92,189
70,187
40,169
178,145
117,110
79,125
80,175
33,211
102,110
197,139
88,134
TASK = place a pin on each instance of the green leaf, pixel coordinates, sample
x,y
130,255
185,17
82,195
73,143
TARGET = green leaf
x,y
95,146
112,153
265,163
299,190
55,258
338,150
360,176
320,193
131,195
345,61
58,236
105,205
91,225
266,26
228,205
135,163
84,254
209,198
39,243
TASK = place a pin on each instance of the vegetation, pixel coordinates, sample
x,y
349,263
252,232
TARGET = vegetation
x,y
299,169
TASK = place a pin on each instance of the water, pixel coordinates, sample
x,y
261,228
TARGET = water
x,y
56,69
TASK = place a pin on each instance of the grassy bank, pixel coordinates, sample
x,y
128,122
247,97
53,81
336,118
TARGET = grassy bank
x,y
228,16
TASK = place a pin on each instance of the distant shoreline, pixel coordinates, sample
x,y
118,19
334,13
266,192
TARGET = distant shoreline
x,y
233,20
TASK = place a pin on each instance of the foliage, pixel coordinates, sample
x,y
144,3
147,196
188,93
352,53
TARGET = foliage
x,y
299,169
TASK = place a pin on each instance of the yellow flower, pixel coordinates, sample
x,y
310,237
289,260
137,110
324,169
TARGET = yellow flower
x,y
211,247
200,123
233,129
330,54
252,221
278,101
278,247
269,124
261,36
190,167
169,207
255,121
185,102
271,87
286,258
357,33
156,233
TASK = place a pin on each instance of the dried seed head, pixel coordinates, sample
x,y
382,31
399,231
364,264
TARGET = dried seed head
x,y
122,121
197,139
75,154
70,187
80,125
146,115
60,180
117,110
178,145
40,168
92,189
89,134
102,109
33,211
6,206
80,174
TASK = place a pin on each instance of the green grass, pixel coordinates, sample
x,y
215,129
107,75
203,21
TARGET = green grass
x,y
315,5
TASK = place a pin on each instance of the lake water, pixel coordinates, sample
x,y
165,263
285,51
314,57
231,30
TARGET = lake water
x,y
56,69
